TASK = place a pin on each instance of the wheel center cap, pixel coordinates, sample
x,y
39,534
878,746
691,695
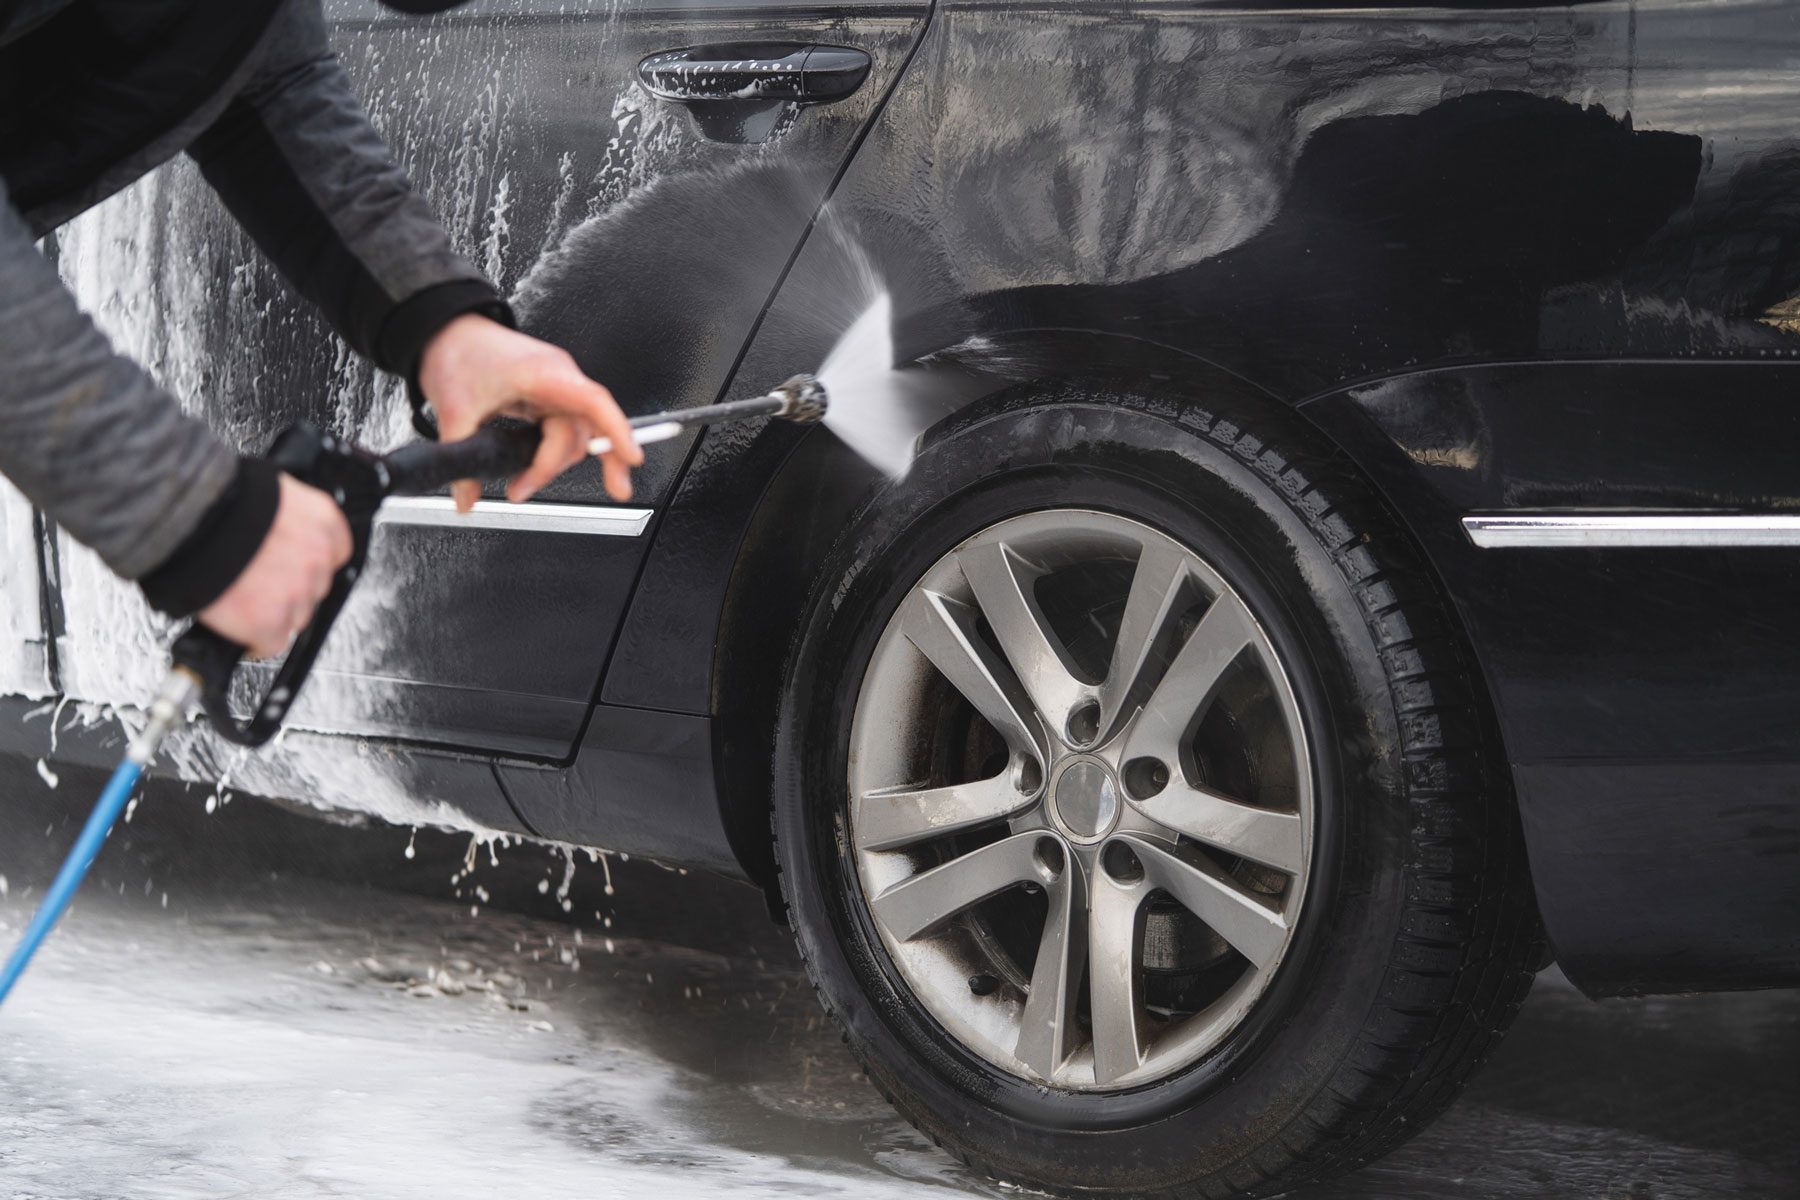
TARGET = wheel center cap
x,y
1085,799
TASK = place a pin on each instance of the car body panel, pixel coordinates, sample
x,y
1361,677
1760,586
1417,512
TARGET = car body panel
x,y
1007,137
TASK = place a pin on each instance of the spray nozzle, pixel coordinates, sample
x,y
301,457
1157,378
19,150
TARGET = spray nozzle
x,y
803,399
800,399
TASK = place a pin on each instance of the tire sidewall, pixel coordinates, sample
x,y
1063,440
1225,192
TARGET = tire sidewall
x,y
1169,466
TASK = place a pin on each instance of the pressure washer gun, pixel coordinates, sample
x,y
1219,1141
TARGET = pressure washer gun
x,y
205,663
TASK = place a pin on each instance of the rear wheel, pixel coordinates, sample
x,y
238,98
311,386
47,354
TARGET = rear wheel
x,y
1079,800
1135,809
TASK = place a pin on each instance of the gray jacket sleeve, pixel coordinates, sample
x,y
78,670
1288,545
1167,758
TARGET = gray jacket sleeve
x,y
84,432
301,168
105,452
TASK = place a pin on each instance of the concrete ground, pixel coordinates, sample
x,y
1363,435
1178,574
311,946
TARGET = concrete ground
x,y
251,1003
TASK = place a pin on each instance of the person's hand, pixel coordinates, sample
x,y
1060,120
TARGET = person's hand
x,y
274,597
475,368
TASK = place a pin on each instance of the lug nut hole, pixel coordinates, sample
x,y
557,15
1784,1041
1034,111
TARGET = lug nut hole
x,y
1121,862
1050,856
1084,723
1031,776
1145,777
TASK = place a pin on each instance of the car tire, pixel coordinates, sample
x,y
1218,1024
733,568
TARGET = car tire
x,y
1413,935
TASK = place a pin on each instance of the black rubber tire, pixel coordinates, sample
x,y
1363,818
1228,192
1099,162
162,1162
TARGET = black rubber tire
x,y
1419,936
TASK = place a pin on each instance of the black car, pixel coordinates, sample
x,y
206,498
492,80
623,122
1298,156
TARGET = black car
x,y
1351,555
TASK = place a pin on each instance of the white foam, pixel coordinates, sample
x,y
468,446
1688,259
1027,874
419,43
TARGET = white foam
x,y
22,663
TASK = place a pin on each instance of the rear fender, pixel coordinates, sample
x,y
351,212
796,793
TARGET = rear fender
x,y
815,494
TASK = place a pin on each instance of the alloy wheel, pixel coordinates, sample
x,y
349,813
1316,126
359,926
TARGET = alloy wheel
x,y
1081,799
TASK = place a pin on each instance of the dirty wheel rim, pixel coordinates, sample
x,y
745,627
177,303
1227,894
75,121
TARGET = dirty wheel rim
x,y
1081,802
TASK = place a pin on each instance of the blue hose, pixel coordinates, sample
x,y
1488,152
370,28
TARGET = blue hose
x,y
62,888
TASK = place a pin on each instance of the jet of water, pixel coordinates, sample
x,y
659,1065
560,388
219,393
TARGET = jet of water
x,y
870,408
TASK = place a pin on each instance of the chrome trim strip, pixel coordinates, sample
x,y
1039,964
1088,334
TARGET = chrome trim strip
x,y
440,511
1547,531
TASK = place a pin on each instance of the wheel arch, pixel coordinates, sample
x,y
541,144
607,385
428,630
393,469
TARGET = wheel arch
x,y
813,496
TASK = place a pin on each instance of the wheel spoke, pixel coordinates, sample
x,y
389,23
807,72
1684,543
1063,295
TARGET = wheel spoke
x,y
1113,993
1253,929
1002,583
921,902
889,819
1259,834
1157,587
1048,1032
943,629
1186,688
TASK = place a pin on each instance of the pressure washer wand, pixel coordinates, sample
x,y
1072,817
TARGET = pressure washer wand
x,y
801,399
205,662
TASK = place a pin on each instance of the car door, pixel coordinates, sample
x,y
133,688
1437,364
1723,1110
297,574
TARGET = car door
x,y
643,233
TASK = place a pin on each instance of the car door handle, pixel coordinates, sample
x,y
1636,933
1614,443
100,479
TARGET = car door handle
x,y
755,71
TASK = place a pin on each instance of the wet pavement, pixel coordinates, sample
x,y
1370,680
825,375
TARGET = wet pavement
x,y
254,1003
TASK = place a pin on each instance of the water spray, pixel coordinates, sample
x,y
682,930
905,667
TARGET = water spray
x,y
205,663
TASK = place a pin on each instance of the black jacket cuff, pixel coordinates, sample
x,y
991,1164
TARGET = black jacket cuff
x,y
417,319
210,559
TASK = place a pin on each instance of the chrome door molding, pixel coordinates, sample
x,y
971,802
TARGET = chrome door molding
x,y
1548,531
440,511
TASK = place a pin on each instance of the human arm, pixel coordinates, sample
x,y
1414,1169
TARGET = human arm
x,y
297,162
110,457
